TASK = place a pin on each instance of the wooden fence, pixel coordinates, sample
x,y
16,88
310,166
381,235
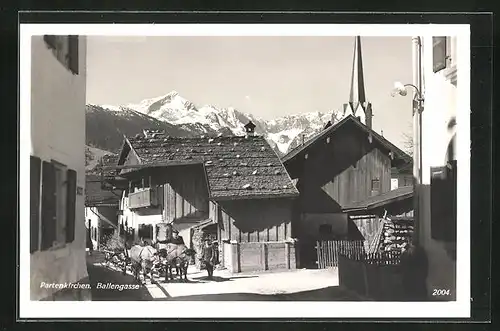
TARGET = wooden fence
x,y
328,251
376,276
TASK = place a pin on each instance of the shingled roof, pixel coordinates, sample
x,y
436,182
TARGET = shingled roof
x,y
96,196
105,161
236,167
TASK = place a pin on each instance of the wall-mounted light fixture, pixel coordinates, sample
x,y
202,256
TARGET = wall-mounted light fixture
x,y
400,88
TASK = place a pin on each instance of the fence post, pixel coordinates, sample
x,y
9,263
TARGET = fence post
x,y
263,256
287,254
235,256
319,255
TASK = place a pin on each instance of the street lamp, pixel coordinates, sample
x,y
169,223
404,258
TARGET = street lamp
x,y
400,88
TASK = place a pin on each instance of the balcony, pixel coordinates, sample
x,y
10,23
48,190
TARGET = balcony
x,y
144,198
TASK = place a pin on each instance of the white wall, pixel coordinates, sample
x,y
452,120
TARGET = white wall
x,y
136,217
58,132
440,105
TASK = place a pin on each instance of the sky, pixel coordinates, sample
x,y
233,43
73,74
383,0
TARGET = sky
x,y
268,77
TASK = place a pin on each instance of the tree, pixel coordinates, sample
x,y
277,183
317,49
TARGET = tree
x,y
408,141
88,156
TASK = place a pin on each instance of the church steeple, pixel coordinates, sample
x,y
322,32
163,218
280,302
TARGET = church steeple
x,y
357,105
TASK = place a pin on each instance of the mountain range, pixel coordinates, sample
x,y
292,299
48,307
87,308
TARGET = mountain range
x,y
106,125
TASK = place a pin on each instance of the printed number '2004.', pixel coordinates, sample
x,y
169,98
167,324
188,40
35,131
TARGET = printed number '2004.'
x,y
440,292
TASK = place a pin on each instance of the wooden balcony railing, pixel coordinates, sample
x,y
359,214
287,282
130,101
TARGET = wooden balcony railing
x,y
144,198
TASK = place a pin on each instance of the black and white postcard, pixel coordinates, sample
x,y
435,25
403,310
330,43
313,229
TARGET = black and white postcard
x,y
196,170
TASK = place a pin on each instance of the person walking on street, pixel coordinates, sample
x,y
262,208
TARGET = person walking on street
x,y
208,257
90,244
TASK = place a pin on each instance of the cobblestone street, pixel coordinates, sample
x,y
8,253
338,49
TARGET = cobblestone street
x,y
296,285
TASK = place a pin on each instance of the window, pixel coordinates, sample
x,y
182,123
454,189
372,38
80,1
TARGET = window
x,y
65,49
375,187
146,182
53,201
145,231
441,51
394,183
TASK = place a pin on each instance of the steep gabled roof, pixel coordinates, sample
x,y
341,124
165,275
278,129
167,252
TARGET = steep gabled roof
x,y
398,153
106,161
236,167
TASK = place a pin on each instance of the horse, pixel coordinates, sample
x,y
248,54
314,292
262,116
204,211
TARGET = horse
x,y
177,256
141,258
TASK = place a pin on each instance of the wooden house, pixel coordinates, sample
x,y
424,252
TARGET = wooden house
x,y
238,183
402,176
345,163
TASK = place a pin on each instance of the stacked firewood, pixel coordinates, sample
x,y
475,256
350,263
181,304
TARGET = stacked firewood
x,y
396,236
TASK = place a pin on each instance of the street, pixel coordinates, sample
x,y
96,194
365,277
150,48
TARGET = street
x,y
296,285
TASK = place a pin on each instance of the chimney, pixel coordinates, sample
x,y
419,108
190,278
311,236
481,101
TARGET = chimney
x,y
368,115
152,133
250,128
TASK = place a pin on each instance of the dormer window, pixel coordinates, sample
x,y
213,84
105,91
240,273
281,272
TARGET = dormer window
x,y
250,128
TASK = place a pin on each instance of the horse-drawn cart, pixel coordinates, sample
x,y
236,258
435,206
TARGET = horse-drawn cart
x,y
117,258
148,258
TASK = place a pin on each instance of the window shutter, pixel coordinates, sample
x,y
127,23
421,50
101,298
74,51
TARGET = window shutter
x,y
50,40
439,53
35,170
73,54
70,206
48,205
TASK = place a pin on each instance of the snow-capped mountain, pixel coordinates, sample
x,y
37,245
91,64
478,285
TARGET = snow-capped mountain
x,y
181,117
